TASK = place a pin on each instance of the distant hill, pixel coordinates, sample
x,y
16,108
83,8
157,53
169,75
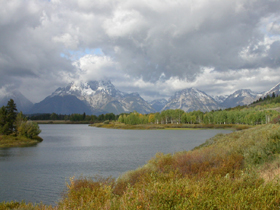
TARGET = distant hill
x,y
22,103
67,104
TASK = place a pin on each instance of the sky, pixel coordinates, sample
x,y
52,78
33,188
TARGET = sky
x,y
153,47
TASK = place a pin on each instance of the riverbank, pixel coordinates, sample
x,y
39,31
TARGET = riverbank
x,y
60,122
239,170
116,125
18,141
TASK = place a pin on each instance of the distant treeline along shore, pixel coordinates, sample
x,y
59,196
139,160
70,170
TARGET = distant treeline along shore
x,y
262,111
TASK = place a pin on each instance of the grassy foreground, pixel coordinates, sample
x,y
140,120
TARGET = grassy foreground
x,y
239,170
7,141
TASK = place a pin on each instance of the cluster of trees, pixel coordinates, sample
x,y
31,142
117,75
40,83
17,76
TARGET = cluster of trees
x,y
271,99
236,115
15,123
244,116
75,117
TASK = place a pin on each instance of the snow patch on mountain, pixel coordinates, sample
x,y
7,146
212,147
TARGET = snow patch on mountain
x,y
240,98
102,95
220,98
191,99
275,90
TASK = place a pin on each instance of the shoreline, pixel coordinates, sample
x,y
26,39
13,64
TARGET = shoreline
x,y
18,141
236,165
170,126
60,122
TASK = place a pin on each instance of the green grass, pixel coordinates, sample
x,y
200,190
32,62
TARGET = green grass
x,y
228,171
18,141
116,125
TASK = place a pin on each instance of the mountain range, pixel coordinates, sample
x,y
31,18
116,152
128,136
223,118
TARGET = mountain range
x,y
95,97
100,97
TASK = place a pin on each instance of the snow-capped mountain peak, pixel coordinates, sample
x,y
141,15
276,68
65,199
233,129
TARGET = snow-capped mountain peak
x,y
191,99
86,89
241,97
220,98
275,90
102,97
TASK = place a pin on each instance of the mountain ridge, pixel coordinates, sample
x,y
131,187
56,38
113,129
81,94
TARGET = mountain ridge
x,y
101,97
240,97
191,99
23,104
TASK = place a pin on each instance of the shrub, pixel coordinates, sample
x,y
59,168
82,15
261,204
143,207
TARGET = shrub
x,y
29,129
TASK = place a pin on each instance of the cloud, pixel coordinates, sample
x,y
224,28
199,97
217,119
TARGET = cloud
x,y
96,67
211,45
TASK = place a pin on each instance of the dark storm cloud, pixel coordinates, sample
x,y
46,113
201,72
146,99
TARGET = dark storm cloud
x,y
160,45
26,48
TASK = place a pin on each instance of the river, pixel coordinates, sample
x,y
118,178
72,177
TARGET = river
x,y
39,173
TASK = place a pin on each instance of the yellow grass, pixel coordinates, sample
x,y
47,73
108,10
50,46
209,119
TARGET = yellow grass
x,y
18,141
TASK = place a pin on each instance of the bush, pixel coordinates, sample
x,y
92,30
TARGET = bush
x,y
29,129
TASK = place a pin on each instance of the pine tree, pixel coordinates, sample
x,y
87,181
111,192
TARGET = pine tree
x,y
11,116
3,120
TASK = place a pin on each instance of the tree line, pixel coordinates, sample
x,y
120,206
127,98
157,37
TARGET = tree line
x,y
251,115
244,116
75,117
12,122
237,115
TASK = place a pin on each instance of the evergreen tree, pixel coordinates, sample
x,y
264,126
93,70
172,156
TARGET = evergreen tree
x,y
11,116
3,120
84,116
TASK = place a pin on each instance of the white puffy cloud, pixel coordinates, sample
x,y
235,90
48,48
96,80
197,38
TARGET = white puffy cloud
x,y
96,67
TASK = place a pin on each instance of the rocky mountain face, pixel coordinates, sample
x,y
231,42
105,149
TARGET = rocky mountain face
x,y
275,90
67,104
158,104
96,97
240,97
191,99
220,99
100,97
22,103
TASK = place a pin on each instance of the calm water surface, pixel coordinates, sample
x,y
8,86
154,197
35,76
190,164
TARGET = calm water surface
x,y
39,173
